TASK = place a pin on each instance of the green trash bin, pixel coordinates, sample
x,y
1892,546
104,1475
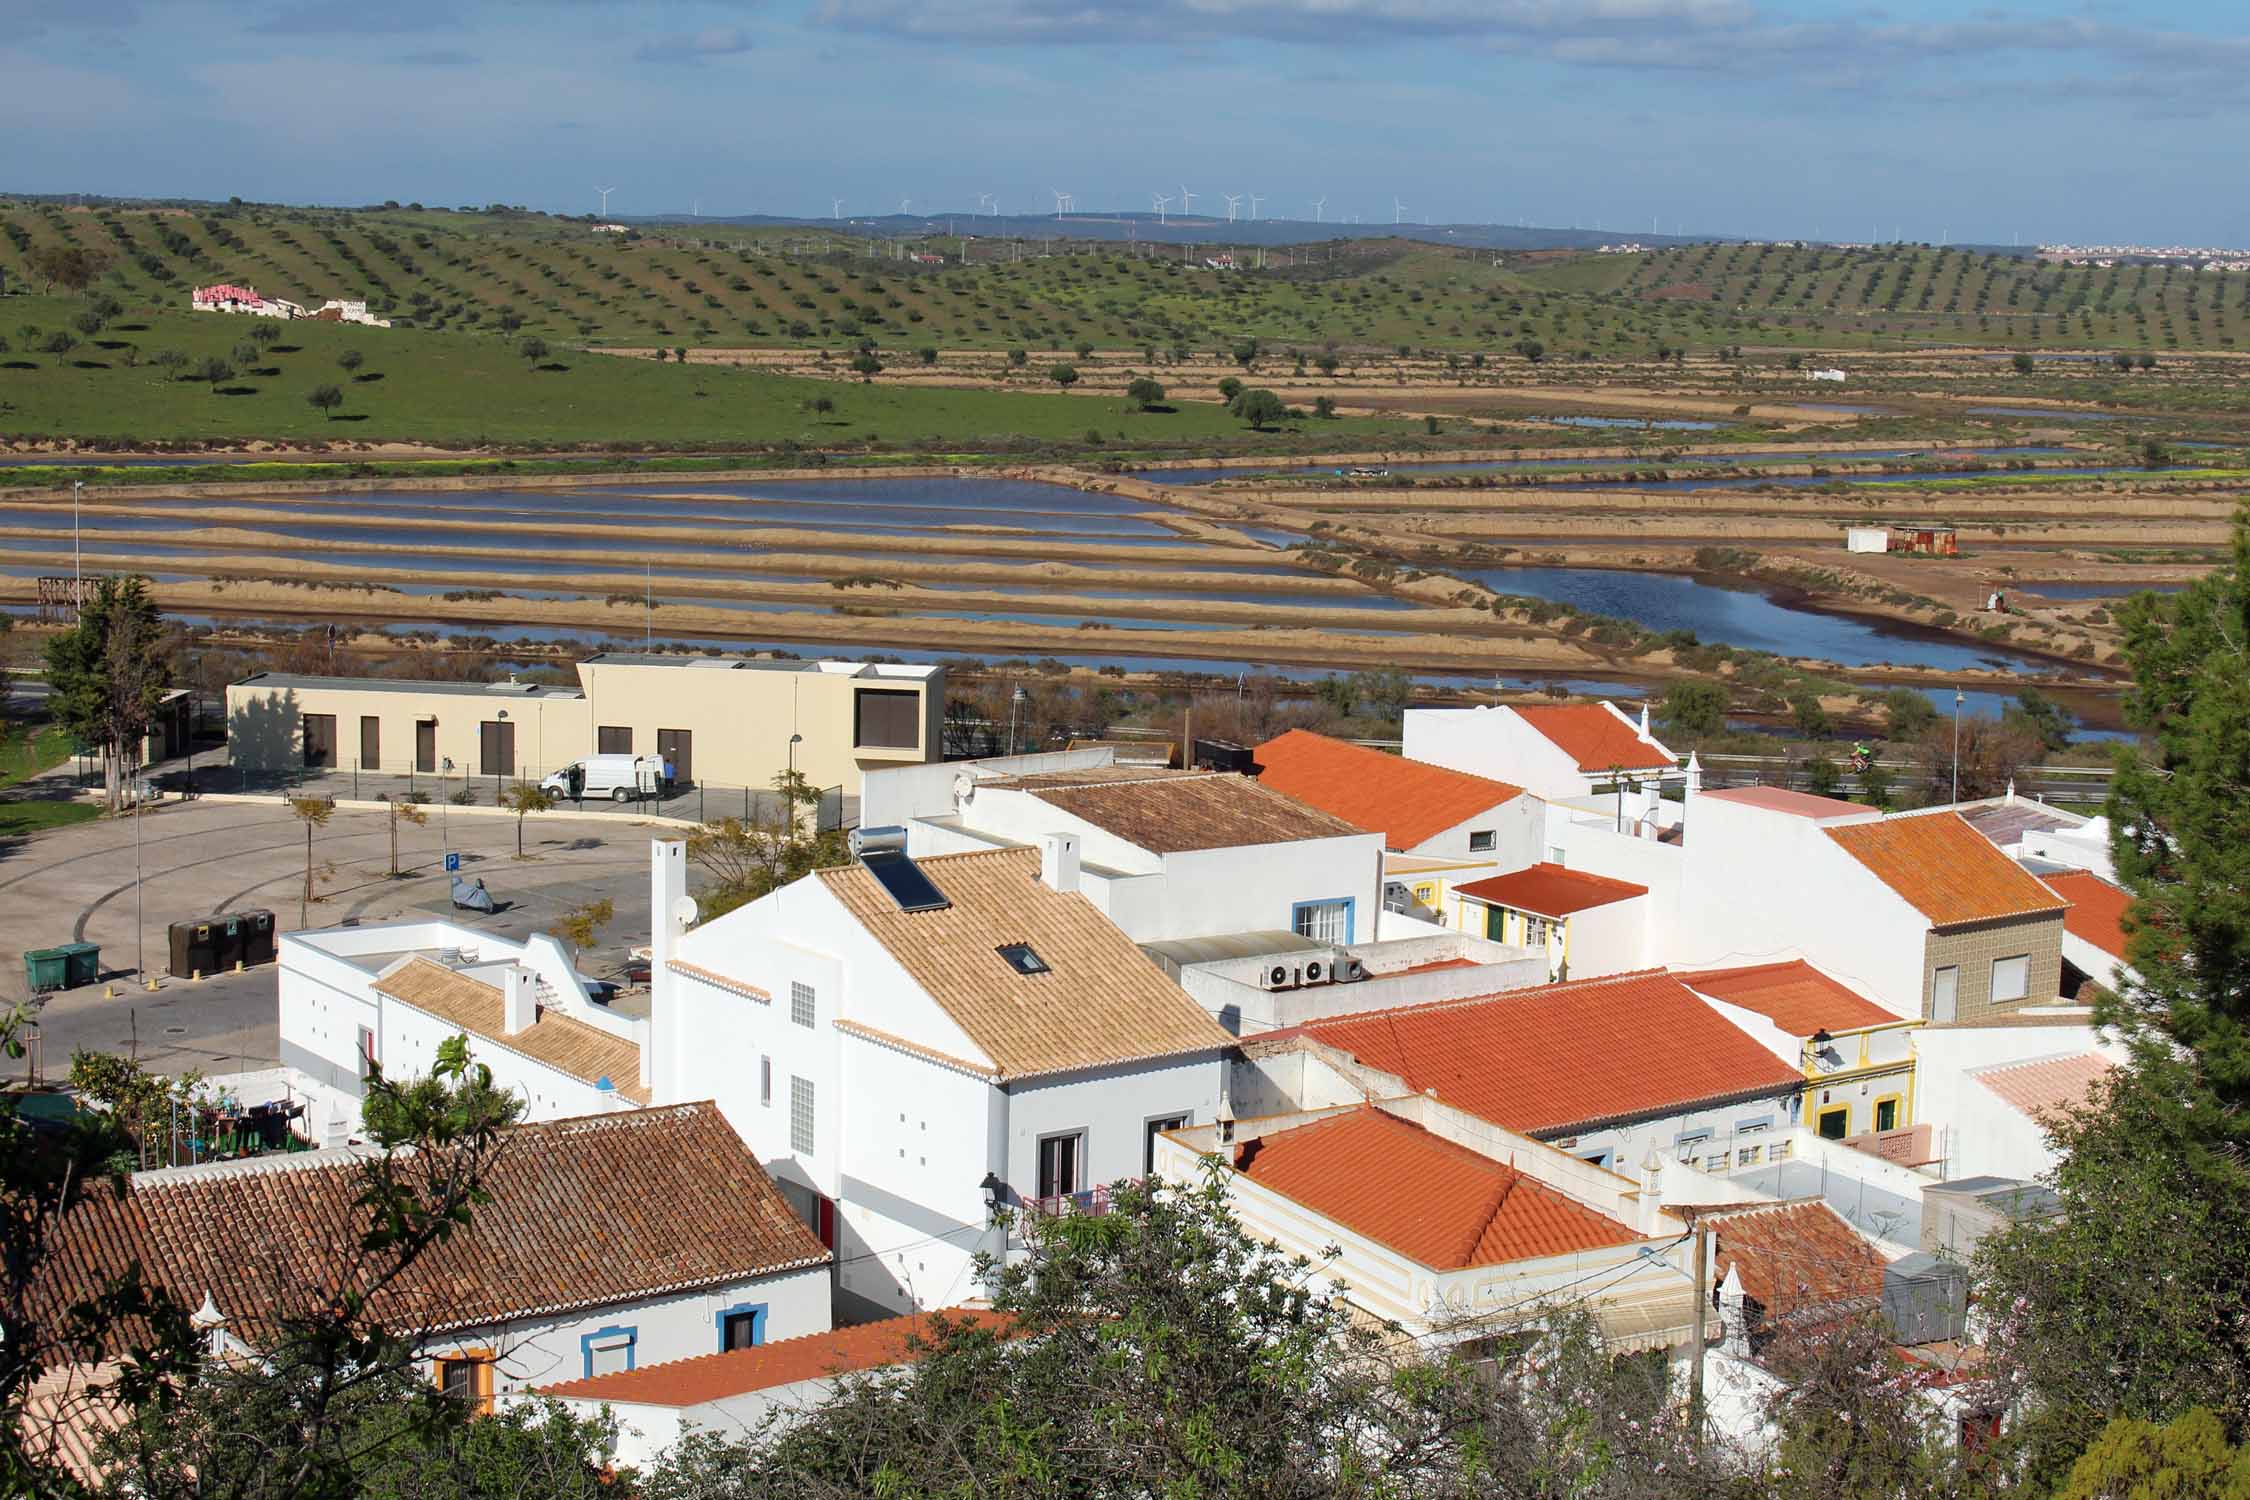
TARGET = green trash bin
x,y
84,961
45,969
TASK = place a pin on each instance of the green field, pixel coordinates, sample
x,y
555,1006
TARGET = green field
x,y
458,389
724,286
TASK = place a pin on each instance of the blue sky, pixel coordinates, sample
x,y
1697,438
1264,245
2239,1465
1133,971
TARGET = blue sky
x,y
2104,121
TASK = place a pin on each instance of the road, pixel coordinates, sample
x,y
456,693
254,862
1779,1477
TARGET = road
x,y
200,858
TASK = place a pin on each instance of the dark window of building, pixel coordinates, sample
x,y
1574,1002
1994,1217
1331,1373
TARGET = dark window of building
x,y
1482,840
1021,959
887,719
1156,1128
1062,1164
613,739
425,745
370,743
742,1330
320,740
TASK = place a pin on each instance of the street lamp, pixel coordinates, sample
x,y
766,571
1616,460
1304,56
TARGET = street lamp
x,y
1016,701
1957,702
77,571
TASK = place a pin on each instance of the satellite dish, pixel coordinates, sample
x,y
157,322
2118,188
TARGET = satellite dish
x,y
964,787
684,911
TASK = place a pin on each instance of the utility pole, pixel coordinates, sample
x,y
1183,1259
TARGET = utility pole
x,y
1696,1336
1957,700
77,572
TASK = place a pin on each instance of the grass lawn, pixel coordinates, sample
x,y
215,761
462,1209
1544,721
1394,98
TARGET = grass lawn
x,y
458,390
21,756
37,816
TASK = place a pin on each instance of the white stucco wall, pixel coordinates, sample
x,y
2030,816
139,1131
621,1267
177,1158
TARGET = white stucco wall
x,y
1979,1133
1517,825
1491,742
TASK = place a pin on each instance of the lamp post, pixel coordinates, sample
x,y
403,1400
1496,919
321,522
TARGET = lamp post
x,y
1957,702
1016,701
77,571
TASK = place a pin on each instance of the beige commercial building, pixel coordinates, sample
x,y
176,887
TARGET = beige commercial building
x,y
720,720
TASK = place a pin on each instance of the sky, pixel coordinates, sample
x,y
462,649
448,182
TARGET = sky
x,y
1922,119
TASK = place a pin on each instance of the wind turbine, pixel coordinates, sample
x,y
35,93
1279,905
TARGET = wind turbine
x,y
605,192
984,199
1255,200
1319,206
1187,200
1234,201
836,208
1162,200
903,205
1398,212
1062,201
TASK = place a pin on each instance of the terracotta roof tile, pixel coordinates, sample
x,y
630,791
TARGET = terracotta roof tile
x,y
2097,909
1594,736
1407,801
1100,1001
1174,812
1945,869
1795,996
561,1042
714,1377
1547,1059
1551,890
2047,1086
1794,1257
1782,800
1442,1204
584,1212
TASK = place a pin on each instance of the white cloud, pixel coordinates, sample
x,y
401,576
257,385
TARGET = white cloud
x,y
712,41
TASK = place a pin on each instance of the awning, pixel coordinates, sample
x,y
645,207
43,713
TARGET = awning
x,y
1657,1317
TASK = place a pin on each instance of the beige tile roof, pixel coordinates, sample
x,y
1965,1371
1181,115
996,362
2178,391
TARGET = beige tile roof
x,y
2047,1087
584,1212
1173,812
566,1045
1101,1001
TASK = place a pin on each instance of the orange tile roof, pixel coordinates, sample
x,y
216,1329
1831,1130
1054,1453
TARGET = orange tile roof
x,y
1555,1057
1945,869
2050,1085
1795,996
1792,1257
1551,890
1782,800
1407,801
2097,909
1594,736
714,1377
564,1043
583,1213
1442,1204
1101,1001
1178,812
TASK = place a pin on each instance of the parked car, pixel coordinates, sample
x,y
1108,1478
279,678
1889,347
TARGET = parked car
x,y
620,778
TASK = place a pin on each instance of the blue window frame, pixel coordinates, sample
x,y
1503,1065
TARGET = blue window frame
x,y
742,1326
1319,919
606,1336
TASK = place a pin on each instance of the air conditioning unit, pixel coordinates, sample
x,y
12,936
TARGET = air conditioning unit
x,y
1316,971
1275,977
1346,969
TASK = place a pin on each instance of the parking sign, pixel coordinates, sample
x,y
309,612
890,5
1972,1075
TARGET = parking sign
x,y
452,862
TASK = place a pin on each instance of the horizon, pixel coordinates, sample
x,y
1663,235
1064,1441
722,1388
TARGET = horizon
x,y
1622,115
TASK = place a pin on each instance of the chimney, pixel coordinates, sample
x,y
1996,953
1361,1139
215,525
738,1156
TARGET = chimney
x,y
2011,802
1644,718
669,912
1058,861
1735,1335
1652,804
1694,773
522,1000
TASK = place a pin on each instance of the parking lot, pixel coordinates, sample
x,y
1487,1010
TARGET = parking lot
x,y
196,859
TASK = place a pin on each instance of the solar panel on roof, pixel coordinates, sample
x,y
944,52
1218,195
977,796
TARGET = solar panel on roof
x,y
903,881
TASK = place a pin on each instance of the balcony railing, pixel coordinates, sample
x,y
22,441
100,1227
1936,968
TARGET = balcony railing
x,y
1055,1205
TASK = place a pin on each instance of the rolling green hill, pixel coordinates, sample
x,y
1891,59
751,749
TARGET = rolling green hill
x,y
728,286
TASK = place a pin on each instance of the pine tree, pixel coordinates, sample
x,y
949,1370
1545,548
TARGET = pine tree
x,y
106,674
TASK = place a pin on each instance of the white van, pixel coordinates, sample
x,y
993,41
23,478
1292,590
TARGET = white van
x,y
617,777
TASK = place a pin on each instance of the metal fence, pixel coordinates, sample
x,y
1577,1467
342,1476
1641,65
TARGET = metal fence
x,y
695,801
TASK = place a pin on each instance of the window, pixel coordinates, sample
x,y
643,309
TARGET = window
x,y
801,1004
1396,897
1021,959
613,739
1886,1114
320,740
1062,1164
1157,1127
467,1376
887,719
742,1326
801,1116
367,1057
2011,978
607,1351
1836,1123
1945,993
370,742
1537,931
765,1081
1483,840
1748,1156
1783,1149
1554,854
1323,921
